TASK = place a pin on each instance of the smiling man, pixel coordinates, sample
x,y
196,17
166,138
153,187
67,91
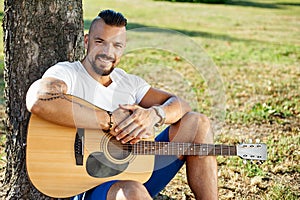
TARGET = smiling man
x,y
129,110
105,45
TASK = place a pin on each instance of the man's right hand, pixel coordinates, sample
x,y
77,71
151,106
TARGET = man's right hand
x,y
117,117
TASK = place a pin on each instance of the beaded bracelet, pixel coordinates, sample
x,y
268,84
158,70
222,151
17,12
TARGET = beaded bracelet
x,y
110,123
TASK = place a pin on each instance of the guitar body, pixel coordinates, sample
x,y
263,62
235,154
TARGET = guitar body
x,y
53,169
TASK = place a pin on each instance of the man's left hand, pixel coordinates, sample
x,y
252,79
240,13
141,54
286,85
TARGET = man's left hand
x,y
138,125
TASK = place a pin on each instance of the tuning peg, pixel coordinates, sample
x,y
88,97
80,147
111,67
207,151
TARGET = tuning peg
x,y
258,162
257,141
244,162
250,140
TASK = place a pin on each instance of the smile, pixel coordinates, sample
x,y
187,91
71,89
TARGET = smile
x,y
105,59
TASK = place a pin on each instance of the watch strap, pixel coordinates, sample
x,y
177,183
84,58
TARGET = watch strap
x,y
161,113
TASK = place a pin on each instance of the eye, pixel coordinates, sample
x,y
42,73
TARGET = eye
x,y
99,41
119,45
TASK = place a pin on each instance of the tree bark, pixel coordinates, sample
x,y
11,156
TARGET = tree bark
x,y
37,34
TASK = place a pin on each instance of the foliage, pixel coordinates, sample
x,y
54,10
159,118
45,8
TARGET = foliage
x,y
199,1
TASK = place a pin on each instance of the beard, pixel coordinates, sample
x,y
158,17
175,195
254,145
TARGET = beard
x,y
100,69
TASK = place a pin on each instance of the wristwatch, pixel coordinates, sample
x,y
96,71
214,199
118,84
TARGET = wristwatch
x,y
161,113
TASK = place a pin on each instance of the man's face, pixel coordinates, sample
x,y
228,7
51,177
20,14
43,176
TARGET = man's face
x,y
105,45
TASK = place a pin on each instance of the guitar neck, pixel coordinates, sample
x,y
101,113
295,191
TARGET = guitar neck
x,y
175,148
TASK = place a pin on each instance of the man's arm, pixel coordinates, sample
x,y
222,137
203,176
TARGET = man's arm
x,y
47,98
173,106
144,117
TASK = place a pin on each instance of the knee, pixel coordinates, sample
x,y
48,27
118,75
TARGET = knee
x,y
201,123
197,119
129,190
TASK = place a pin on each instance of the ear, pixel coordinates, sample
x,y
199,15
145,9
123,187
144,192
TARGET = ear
x,y
86,41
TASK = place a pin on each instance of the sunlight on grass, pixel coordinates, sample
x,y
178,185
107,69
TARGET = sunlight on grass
x,y
255,46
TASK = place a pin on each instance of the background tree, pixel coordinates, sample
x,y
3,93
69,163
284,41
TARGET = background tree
x,y
37,34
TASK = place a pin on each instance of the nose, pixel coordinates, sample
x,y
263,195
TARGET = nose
x,y
108,50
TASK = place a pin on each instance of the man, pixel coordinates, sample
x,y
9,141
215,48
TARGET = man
x,y
130,108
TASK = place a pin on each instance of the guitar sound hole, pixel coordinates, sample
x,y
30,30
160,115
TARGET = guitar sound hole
x,y
117,150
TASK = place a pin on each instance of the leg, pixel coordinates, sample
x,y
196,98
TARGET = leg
x,y
165,166
201,171
116,190
99,192
128,190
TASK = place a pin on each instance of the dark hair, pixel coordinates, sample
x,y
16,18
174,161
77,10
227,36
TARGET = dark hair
x,y
113,18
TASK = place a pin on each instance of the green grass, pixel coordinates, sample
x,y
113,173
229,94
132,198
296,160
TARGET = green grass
x,y
279,191
244,39
255,46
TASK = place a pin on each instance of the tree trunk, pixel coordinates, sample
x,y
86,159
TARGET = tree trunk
x,y
37,34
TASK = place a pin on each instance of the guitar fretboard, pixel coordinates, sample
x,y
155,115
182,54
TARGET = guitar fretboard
x,y
174,148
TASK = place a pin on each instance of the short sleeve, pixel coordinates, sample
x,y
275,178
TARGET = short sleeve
x,y
61,72
141,89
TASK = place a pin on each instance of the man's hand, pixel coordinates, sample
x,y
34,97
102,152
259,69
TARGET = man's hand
x,y
138,125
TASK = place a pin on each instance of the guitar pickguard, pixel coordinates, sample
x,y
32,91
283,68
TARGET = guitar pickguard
x,y
98,166
114,159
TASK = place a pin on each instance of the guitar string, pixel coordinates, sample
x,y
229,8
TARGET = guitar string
x,y
148,147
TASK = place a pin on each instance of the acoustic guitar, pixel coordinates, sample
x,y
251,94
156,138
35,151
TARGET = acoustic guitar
x,y
63,162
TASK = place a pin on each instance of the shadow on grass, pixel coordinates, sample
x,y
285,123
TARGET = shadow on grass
x,y
191,33
248,3
288,4
253,4
279,5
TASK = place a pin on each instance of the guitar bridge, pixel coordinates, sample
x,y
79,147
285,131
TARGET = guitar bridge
x,y
78,146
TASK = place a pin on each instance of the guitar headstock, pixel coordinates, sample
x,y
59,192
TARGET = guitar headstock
x,y
252,151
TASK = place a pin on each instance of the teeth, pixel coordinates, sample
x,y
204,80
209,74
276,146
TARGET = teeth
x,y
103,60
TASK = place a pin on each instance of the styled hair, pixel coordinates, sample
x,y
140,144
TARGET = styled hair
x,y
113,18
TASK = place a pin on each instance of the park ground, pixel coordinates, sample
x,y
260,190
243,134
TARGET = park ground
x,y
255,48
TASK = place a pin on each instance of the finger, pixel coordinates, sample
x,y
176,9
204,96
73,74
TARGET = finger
x,y
129,130
141,134
124,124
132,119
130,136
120,115
127,139
135,140
128,107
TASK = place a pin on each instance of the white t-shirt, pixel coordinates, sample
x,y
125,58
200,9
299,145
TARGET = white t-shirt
x,y
124,89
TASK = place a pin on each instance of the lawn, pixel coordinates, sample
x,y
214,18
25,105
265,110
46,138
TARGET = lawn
x,y
238,63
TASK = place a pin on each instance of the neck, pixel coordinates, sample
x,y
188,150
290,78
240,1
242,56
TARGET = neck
x,y
105,82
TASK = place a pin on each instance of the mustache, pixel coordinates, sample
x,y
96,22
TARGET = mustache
x,y
105,57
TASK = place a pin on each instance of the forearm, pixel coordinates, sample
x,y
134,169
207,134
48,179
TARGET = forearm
x,y
47,98
70,111
175,108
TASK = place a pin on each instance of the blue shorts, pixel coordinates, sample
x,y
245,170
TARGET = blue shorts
x,y
165,166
